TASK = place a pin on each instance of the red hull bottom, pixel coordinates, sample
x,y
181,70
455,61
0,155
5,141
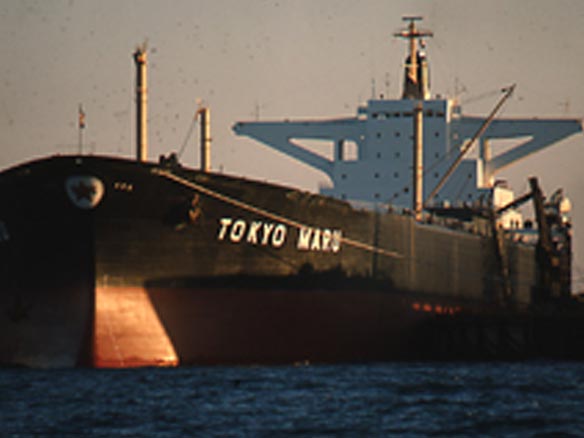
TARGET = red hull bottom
x,y
167,327
136,326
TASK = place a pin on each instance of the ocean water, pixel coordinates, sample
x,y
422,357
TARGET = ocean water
x,y
386,400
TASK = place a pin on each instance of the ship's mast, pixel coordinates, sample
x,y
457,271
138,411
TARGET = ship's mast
x,y
416,87
141,104
416,83
418,166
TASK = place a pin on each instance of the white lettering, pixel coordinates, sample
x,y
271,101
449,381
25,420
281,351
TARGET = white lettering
x,y
326,240
225,222
304,238
317,239
238,230
337,237
279,236
315,245
268,227
252,235
266,234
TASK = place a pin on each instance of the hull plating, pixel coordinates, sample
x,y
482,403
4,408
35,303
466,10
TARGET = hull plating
x,y
118,264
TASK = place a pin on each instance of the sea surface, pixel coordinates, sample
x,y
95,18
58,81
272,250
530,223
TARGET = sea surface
x,y
532,399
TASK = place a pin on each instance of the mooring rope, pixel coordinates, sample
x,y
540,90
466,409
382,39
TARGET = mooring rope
x,y
273,216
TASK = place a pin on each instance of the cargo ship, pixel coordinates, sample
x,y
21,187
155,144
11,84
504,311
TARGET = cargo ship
x,y
413,252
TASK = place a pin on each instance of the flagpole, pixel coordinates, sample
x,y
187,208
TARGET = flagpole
x,y
81,126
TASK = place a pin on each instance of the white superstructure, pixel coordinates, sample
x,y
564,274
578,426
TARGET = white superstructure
x,y
382,132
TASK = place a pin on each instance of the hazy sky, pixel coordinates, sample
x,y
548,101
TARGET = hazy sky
x,y
281,59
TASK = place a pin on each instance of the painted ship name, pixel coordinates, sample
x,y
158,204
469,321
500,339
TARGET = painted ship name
x,y
261,233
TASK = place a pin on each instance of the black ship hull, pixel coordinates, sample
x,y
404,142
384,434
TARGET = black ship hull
x,y
114,263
